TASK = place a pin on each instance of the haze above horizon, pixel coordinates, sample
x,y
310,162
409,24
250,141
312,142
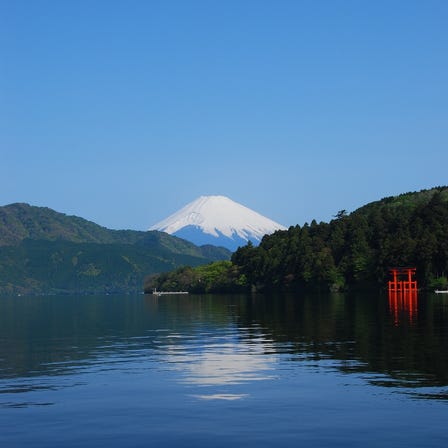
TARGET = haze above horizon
x,y
122,113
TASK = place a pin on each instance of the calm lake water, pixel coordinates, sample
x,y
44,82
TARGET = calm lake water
x,y
219,371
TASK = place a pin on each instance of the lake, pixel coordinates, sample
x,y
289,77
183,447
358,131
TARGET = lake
x,y
217,371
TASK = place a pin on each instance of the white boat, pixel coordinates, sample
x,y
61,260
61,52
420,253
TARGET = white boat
x,y
441,291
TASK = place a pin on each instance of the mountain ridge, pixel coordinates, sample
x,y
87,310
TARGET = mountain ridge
x,y
21,220
353,252
43,251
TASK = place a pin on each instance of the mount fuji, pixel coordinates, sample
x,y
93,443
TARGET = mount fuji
x,y
219,221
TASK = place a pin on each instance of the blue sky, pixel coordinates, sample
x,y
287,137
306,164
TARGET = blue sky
x,y
124,111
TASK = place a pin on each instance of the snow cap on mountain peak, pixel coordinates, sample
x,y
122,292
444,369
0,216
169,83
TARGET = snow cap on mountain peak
x,y
221,219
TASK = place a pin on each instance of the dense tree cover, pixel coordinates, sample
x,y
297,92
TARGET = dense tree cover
x,y
20,222
217,277
352,251
43,251
356,250
50,267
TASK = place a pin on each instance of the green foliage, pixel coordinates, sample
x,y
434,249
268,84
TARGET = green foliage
x,y
19,222
355,250
61,266
42,251
217,277
439,283
352,251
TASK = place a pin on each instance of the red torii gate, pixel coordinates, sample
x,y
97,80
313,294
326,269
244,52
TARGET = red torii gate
x,y
403,293
398,284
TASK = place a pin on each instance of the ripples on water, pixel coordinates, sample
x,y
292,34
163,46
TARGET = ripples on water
x,y
263,371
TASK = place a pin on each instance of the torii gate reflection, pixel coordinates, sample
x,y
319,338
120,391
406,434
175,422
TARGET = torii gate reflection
x,y
403,293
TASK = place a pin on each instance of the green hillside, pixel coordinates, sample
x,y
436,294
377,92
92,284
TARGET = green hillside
x,y
352,251
43,251
356,250
23,221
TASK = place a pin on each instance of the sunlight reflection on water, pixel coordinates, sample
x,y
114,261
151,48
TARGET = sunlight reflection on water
x,y
226,360
182,371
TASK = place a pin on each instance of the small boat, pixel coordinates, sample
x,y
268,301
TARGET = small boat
x,y
441,291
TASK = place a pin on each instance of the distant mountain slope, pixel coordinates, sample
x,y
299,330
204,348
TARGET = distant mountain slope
x,y
43,251
405,201
219,221
353,251
21,221
357,249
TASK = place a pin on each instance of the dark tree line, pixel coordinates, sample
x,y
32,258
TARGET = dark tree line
x,y
352,251
217,277
356,250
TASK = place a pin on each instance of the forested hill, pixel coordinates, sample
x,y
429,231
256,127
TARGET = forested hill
x,y
356,250
352,251
23,221
43,251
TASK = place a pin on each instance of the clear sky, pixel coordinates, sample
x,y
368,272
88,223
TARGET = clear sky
x,y
124,111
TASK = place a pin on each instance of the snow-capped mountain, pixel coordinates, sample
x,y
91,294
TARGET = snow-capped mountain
x,y
219,221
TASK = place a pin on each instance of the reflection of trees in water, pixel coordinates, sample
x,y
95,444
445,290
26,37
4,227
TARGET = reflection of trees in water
x,y
409,345
55,335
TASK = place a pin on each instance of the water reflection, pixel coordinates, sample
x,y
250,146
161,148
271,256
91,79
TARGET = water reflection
x,y
226,397
404,304
225,360
226,345
225,364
